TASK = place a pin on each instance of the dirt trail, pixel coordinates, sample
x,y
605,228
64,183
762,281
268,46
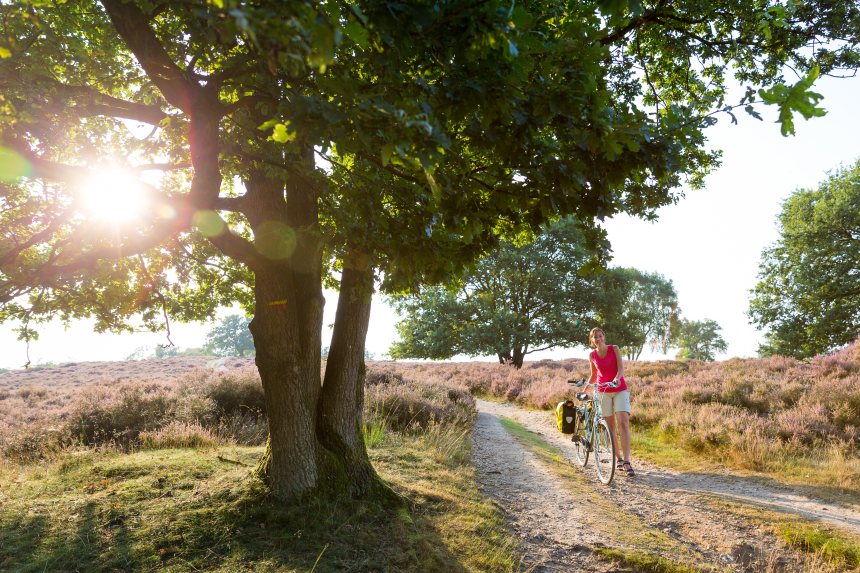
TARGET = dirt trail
x,y
547,516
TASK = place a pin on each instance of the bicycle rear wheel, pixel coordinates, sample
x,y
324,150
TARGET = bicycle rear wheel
x,y
604,453
580,441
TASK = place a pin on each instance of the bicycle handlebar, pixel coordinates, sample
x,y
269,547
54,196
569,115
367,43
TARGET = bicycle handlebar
x,y
598,385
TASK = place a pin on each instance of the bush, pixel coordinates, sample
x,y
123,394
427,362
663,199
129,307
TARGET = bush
x,y
100,417
238,393
410,405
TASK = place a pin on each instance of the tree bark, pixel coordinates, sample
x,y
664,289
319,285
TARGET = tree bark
x,y
518,357
340,426
286,329
287,326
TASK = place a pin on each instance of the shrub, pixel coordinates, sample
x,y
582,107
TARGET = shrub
x,y
99,416
409,405
239,392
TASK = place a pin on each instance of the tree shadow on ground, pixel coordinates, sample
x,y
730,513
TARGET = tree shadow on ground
x,y
239,528
98,541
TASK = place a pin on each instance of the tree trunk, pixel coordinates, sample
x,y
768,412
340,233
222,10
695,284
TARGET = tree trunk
x,y
504,357
339,414
518,357
287,325
286,329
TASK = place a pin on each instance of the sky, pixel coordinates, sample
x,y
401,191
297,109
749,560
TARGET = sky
x,y
709,243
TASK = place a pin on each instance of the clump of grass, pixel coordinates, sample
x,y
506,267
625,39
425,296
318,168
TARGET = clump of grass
x,y
836,550
374,432
645,562
177,434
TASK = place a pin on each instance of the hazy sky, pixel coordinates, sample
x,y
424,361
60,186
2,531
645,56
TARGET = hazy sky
x,y
708,244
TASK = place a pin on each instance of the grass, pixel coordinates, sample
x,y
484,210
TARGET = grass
x,y
198,510
818,478
836,549
645,562
659,448
638,545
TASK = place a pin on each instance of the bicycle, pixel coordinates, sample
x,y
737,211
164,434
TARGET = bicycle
x,y
592,433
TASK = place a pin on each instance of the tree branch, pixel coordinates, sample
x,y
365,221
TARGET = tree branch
x,y
88,102
133,26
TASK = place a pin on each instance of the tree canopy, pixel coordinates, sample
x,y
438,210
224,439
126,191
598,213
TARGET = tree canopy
x,y
639,309
231,337
699,340
517,300
445,126
808,294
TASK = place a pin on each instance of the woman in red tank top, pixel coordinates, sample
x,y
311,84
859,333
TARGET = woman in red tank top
x,y
607,366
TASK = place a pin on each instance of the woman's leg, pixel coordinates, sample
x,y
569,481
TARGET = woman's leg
x,y
611,421
623,419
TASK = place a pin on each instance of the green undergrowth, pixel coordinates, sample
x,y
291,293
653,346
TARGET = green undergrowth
x,y
636,544
202,510
836,547
661,449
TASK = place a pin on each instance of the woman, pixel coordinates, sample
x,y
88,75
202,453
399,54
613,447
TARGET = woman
x,y
606,367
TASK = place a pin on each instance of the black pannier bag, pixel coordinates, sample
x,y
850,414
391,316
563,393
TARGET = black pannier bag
x,y
565,414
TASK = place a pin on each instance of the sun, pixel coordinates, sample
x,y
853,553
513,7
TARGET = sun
x,y
113,195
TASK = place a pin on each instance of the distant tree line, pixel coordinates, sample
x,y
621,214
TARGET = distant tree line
x,y
230,337
547,293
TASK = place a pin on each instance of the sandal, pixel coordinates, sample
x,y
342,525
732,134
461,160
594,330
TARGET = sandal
x,y
627,468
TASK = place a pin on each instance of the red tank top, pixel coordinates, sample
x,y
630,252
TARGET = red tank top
x,y
607,369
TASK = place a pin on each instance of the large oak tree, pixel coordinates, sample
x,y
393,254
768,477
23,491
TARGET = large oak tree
x,y
808,295
445,125
519,299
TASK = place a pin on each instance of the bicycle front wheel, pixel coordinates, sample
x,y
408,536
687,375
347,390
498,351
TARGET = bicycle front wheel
x,y
604,453
580,440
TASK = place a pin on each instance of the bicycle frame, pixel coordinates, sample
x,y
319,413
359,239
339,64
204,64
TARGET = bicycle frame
x,y
592,434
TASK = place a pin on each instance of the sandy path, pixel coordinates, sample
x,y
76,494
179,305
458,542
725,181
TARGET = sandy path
x,y
543,513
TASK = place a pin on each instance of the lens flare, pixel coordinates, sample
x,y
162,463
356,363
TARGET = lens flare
x,y
113,195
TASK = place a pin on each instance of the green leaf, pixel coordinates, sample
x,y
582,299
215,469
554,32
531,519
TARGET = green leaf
x,y
5,52
357,33
386,152
797,98
282,134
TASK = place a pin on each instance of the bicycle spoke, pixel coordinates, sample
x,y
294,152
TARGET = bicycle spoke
x,y
604,455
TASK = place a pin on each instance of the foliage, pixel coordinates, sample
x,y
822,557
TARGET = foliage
x,y
699,340
522,298
639,308
808,294
231,337
446,126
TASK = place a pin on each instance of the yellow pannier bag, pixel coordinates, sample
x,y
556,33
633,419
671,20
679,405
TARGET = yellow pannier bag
x,y
565,414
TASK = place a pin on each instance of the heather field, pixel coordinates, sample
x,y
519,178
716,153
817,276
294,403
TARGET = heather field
x,y
797,421
777,415
152,461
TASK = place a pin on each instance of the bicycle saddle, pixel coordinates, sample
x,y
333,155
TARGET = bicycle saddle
x,y
582,396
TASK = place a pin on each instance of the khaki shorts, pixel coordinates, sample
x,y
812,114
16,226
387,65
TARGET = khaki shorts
x,y
611,402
